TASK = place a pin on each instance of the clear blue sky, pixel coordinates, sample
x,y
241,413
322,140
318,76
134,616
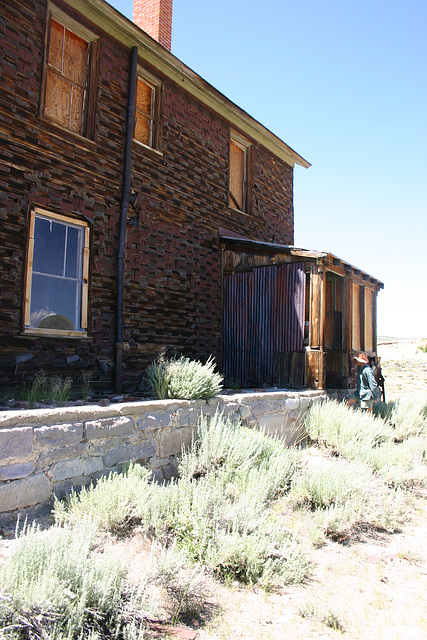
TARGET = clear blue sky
x,y
345,85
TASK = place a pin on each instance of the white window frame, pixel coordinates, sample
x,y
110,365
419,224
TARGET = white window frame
x,y
83,314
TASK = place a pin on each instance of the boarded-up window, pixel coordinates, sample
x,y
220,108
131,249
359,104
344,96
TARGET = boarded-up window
x,y
144,120
67,78
238,188
147,110
56,299
369,320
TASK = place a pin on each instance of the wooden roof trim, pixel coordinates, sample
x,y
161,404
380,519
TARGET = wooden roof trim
x,y
271,247
328,260
354,271
129,34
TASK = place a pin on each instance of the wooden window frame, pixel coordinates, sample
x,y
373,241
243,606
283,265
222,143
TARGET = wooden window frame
x,y
369,323
334,311
89,105
246,178
37,211
155,117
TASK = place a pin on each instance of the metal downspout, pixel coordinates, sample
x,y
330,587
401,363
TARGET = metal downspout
x,y
126,195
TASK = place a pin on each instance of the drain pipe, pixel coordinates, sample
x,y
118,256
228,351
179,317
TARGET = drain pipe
x,y
126,198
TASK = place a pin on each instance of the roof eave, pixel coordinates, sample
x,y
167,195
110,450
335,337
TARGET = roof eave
x,y
328,260
124,30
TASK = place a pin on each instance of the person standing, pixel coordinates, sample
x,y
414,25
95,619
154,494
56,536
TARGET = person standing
x,y
367,390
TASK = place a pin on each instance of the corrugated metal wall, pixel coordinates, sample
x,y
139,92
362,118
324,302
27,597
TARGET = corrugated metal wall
x,y
263,315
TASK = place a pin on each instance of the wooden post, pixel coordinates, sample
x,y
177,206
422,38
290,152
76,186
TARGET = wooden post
x,y
315,369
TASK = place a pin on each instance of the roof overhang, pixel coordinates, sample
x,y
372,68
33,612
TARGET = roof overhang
x,y
328,260
125,31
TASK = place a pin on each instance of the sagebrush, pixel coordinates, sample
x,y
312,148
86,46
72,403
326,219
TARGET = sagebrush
x,y
183,378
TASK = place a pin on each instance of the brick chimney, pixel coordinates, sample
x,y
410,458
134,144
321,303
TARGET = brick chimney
x,y
155,17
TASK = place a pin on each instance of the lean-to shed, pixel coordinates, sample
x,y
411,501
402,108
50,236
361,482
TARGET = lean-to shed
x,y
294,317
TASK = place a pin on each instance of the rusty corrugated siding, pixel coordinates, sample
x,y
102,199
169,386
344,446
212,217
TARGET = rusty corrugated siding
x,y
263,315
291,300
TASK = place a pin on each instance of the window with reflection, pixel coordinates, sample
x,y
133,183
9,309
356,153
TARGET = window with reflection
x,y
57,274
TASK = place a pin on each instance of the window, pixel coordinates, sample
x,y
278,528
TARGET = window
x,y
147,110
334,316
57,275
68,100
238,185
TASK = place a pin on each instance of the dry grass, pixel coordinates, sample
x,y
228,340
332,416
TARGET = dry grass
x,y
367,583
372,588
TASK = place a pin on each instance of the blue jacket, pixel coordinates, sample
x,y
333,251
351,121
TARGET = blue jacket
x,y
367,388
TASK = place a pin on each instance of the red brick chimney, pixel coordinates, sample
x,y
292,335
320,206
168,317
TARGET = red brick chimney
x,y
155,17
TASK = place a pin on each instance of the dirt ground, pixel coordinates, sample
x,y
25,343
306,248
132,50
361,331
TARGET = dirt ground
x,y
374,589
370,590
366,591
404,365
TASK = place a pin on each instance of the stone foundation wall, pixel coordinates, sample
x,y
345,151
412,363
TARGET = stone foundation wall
x,y
45,453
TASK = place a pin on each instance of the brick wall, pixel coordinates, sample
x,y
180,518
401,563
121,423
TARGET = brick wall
x,y
155,17
172,295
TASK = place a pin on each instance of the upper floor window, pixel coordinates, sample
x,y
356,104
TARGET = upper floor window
x,y
239,173
147,107
56,297
68,97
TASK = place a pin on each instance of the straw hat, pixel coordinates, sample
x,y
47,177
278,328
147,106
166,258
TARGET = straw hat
x,y
362,358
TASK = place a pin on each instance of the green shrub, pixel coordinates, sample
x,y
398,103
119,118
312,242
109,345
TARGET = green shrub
x,y
111,504
330,484
228,479
183,378
402,464
342,430
54,587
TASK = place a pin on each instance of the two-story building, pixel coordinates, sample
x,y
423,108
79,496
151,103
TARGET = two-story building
x,y
144,211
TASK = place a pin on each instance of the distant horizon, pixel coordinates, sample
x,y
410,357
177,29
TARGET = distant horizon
x,y
384,337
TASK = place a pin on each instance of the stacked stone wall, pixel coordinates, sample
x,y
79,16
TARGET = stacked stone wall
x,y
49,452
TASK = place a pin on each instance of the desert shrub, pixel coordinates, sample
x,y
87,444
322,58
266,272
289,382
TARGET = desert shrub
x,y
320,612
375,508
110,504
341,498
268,556
226,447
185,585
54,587
331,483
342,430
402,464
408,416
227,480
183,378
